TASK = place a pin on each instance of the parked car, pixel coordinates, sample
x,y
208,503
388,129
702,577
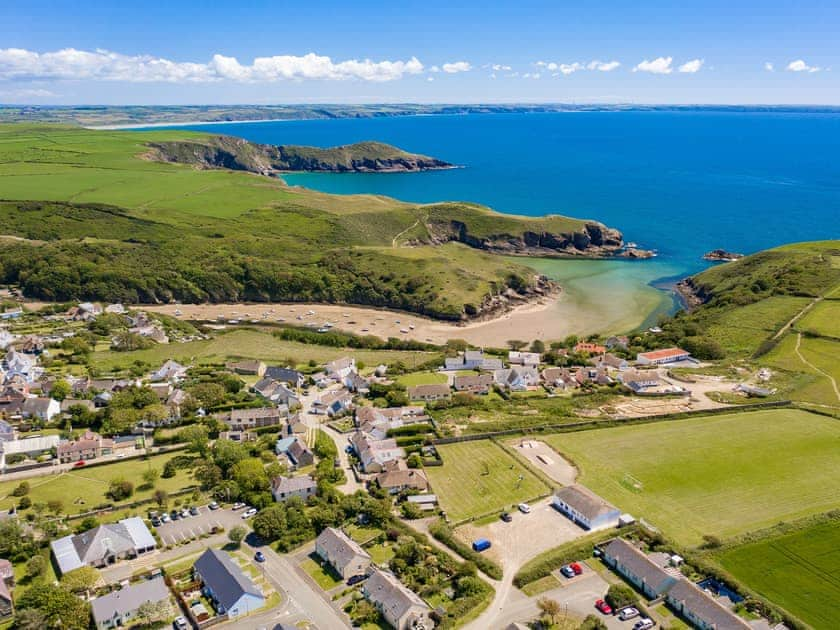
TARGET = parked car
x,y
164,518
249,512
567,571
644,624
194,511
237,506
79,463
628,613
576,568
355,579
481,544
259,557
524,508
603,607
180,623
185,513
175,514
506,517
156,522
213,505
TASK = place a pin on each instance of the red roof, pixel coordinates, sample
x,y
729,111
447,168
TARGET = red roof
x,y
665,353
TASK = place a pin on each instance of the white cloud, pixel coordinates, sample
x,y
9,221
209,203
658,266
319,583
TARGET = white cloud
x,y
104,65
456,66
690,67
531,75
570,68
801,66
660,65
768,66
602,66
498,67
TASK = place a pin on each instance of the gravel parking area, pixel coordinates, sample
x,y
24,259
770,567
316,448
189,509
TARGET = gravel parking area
x,y
185,528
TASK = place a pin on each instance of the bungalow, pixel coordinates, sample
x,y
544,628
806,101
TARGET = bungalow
x,y
584,347
342,553
119,608
290,377
30,344
339,369
7,580
701,610
401,479
88,446
559,377
248,367
224,582
474,383
44,409
284,488
18,363
640,380
169,371
429,393
400,606
660,357
647,576
103,545
524,358
375,454
517,379
244,419
585,507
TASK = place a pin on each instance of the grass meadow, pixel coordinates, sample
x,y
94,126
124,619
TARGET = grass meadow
x,y
479,477
799,571
818,352
718,475
823,319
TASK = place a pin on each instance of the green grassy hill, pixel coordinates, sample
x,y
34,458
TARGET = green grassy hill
x,y
93,215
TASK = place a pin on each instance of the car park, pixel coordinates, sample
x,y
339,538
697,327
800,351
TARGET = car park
x,y
506,517
644,624
603,607
628,613
524,508
259,557
567,571
249,512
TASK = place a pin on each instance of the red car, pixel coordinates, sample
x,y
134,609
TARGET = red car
x,y
576,568
603,607
79,463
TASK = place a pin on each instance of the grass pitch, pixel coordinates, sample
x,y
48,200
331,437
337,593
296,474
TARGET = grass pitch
x,y
479,477
799,571
718,475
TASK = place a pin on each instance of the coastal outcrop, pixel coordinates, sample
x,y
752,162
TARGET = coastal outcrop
x,y
265,159
721,255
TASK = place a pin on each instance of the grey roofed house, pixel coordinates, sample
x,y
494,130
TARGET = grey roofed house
x,y
342,553
429,392
701,610
585,507
640,570
225,580
118,608
284,375
103,545
399,605
286,487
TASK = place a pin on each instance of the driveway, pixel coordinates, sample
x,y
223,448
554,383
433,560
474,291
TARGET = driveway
x,y
174,532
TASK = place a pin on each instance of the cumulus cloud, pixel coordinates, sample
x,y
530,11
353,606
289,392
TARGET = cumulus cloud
x,y
104,65
456,66
768,66
690,67
602,66
499,67
660,65
800,66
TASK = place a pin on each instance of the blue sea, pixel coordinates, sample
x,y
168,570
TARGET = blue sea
x,y
679,182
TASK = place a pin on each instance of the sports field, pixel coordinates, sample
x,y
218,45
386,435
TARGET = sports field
x,y
479,477
718,475
799,571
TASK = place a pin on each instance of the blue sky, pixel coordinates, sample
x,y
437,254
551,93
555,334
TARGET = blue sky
x,y
181,52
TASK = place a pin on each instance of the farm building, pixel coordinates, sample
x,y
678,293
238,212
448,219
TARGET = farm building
x,y
585,507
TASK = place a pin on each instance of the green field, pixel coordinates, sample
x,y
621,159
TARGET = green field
x,y
822,355
742,330
421,378
84,488
799,571
717,475
478,478
252,344
823,319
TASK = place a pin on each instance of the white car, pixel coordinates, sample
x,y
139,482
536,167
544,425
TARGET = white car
x,y
237,506
644,624
628,613
249,512
524,508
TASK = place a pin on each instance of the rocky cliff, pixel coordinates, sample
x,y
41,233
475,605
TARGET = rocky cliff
x,y
241,155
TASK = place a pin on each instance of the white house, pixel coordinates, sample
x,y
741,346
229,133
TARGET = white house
x,y
339,369
585,507
660,357
119,608
524,358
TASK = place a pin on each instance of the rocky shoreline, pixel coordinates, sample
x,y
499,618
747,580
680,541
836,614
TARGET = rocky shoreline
x,y
721,255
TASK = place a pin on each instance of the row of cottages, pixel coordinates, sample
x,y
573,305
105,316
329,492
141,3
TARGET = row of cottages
x,y
333,403
342,553
103,545
399,605
375,454
233,593
284,488
429,393
656,581
585,508
91,445
254,418
472,360
473,383
295,450
120,608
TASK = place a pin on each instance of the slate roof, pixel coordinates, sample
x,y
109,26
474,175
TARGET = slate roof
x,y
704,607
130,534
128,599
584,501
638,564
284,375
292,484
392,597
339,547
224,577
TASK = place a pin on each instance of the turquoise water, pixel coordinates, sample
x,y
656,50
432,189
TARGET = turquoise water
x,y
682,183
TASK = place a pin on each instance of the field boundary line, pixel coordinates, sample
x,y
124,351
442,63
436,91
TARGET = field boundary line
x,y
815,368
